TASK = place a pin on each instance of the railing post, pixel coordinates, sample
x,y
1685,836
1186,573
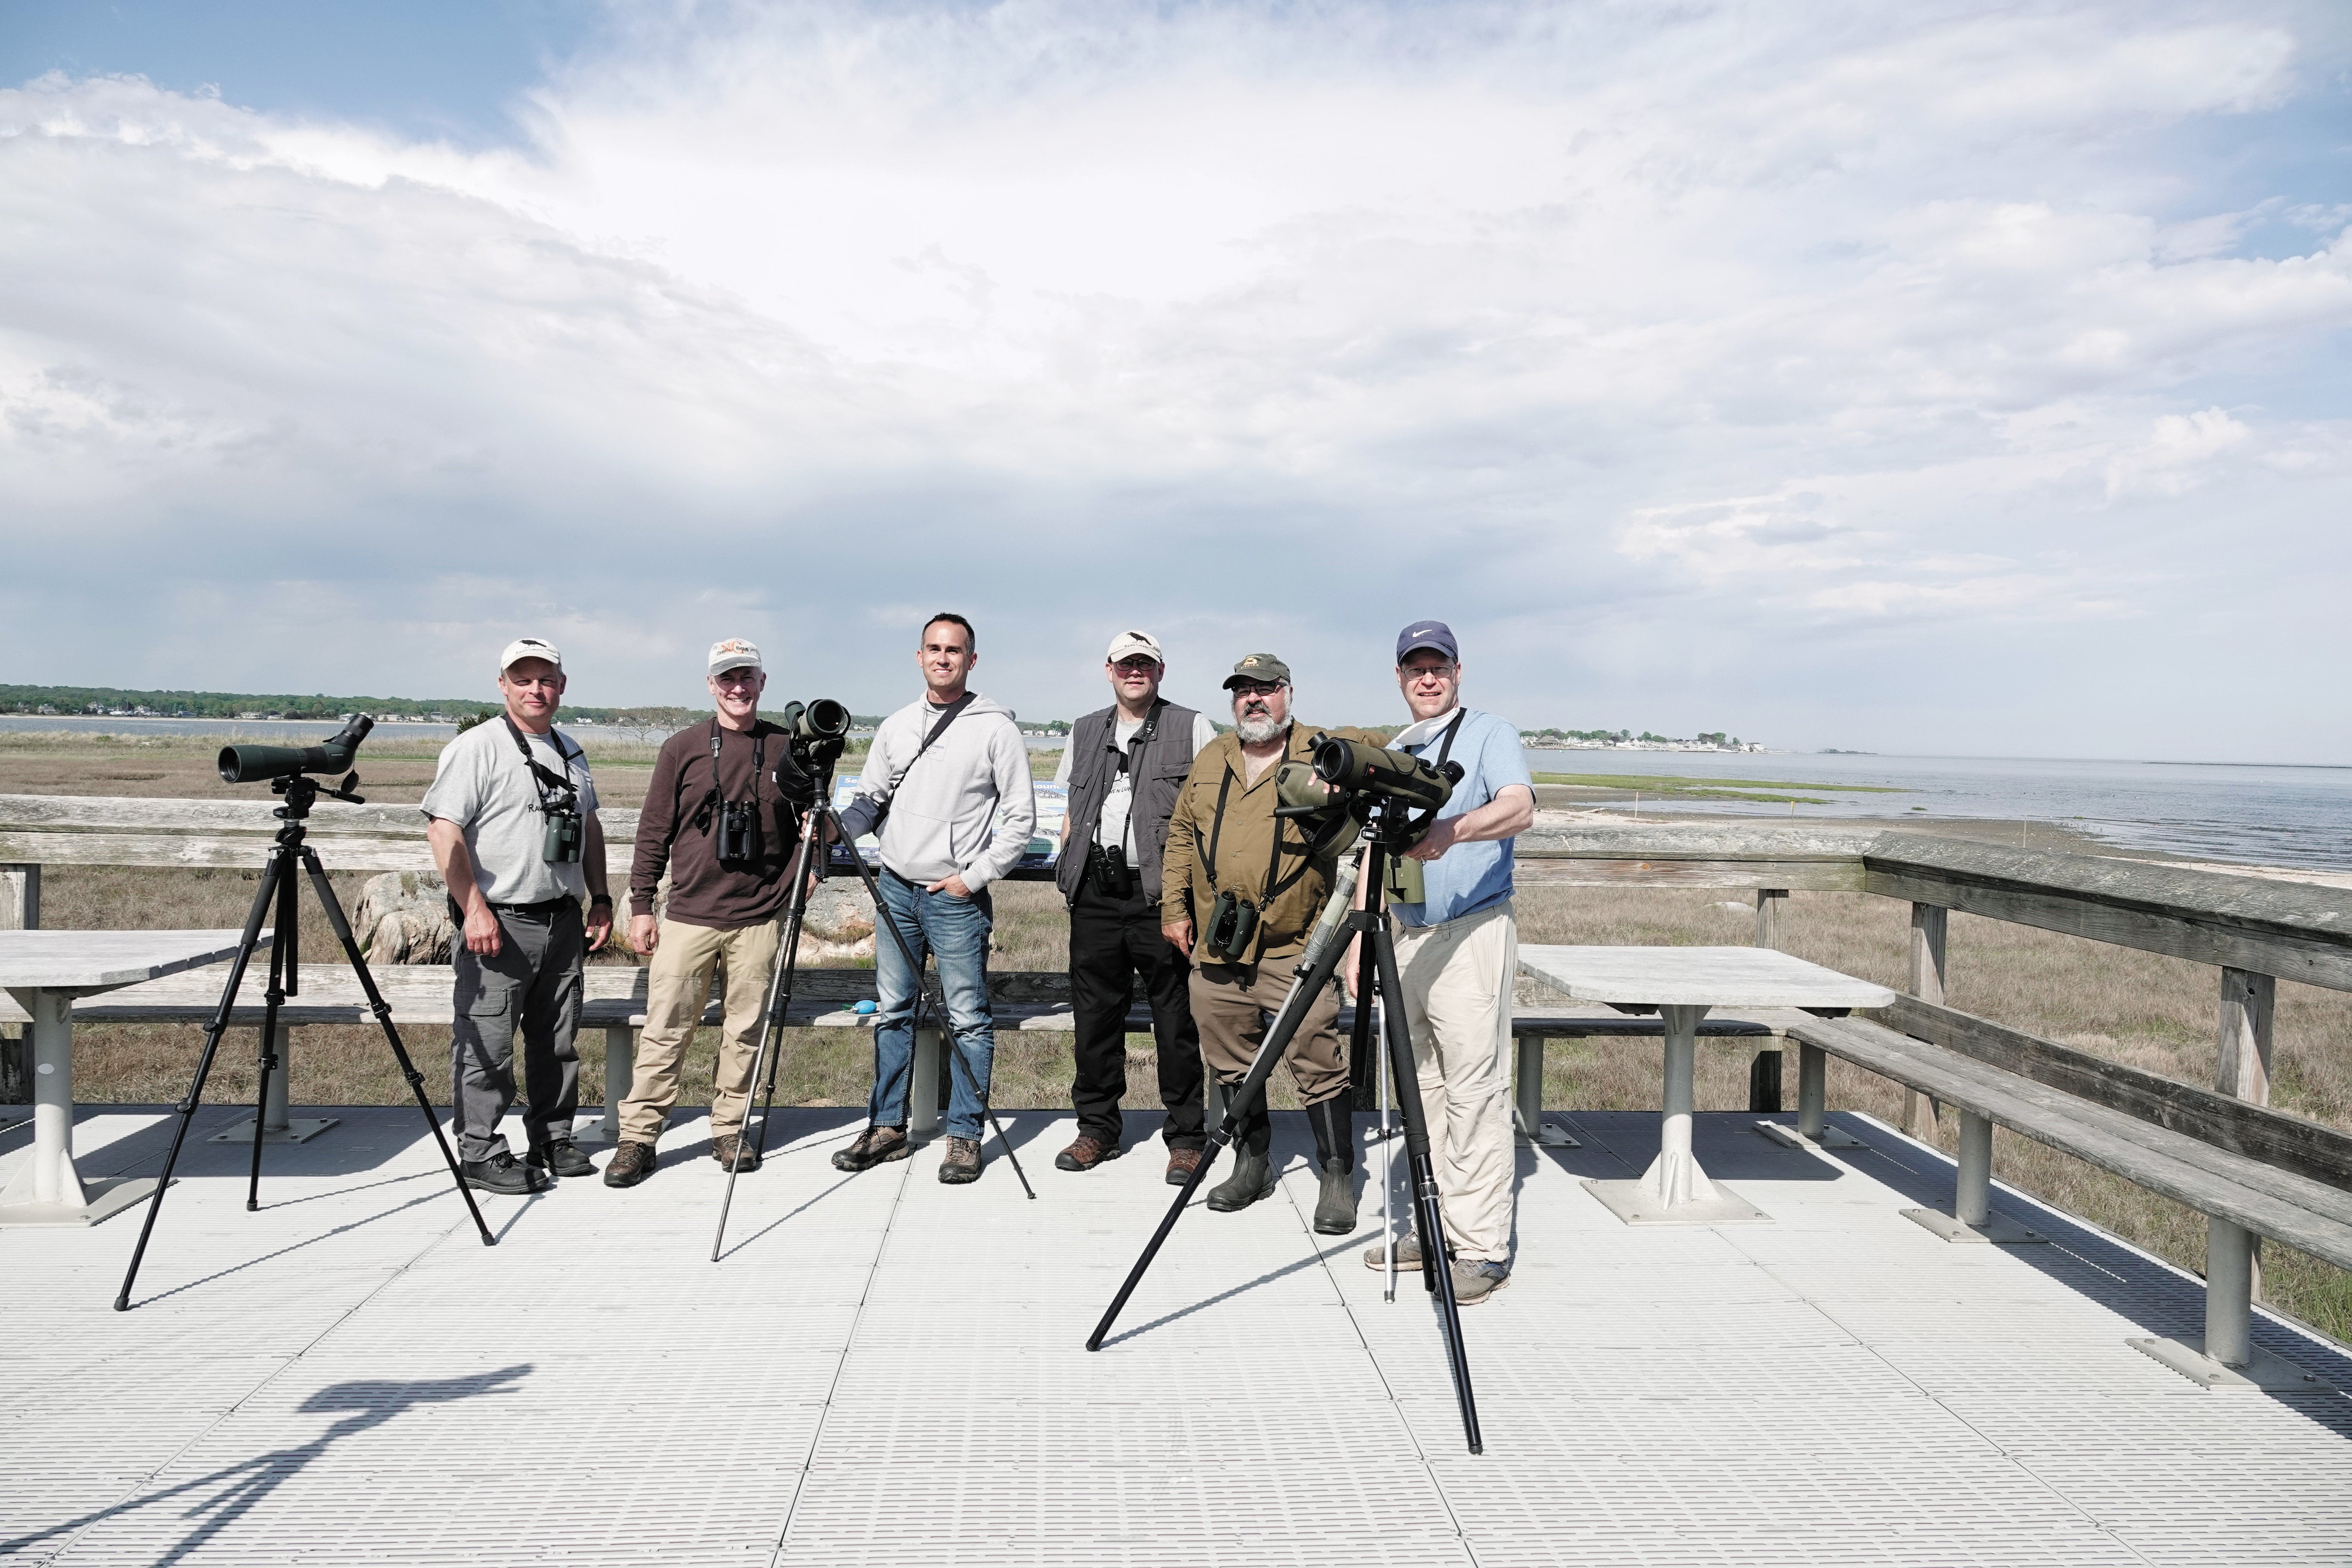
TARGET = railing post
x,y
20,909
1930,923
2241,1067
1764,1067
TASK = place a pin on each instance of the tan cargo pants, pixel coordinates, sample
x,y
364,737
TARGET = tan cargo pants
x,y
1457,999
1230,1004
675,991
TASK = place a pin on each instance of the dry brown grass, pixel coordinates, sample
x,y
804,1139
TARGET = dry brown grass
x,y
2154,1013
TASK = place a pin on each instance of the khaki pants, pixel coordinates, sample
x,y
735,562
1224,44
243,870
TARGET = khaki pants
x,y
1230,1002
1457,999
675,991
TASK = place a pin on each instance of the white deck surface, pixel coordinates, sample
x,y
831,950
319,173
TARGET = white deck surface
x,y
887,1371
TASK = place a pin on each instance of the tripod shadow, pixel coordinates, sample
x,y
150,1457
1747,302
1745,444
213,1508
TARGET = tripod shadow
x,y
783,1218
1312,1260
218,1500
293,1247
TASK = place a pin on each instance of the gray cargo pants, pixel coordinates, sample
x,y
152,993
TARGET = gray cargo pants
x,y
532,983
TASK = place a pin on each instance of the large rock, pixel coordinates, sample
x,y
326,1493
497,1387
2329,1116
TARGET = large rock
x,y
404,918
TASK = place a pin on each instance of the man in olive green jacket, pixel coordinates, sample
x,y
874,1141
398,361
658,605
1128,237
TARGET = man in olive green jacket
x,y
1224,839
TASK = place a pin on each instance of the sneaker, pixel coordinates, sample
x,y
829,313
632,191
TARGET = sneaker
x,y
1473,1283
1408,1256
1085,1152
724,1148
562,1156
502,1172
960,1164
630,1163
1181,1164
875,1146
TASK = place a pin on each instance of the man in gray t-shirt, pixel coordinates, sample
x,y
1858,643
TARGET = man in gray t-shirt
x,y
506,793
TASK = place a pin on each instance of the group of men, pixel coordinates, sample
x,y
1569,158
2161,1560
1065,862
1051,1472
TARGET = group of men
x,y
1170,816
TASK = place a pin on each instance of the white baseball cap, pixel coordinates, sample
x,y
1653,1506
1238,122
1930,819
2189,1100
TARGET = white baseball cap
x,y
529,648
1126,644
734,653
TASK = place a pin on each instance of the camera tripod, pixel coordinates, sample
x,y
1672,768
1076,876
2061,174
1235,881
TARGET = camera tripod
x,y
1377,977
279,898
779,988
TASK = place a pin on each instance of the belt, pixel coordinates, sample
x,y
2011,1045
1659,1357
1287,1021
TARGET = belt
x,y
545,907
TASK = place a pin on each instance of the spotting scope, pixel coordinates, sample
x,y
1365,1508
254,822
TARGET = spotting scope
x,y
251,764
823,719
1358,767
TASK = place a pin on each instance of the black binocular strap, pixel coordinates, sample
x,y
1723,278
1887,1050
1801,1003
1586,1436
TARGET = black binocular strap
x,y
717,796
543,777
1142,738
1274,862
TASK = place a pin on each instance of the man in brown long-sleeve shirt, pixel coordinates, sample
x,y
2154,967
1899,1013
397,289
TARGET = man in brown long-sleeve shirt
x,y
723,814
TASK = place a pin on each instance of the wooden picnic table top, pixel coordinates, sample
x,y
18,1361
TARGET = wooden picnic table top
x,y
1696,976
87,960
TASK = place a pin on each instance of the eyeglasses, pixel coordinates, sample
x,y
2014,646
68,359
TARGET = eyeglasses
x,y
1422,671
1136,664
1258,687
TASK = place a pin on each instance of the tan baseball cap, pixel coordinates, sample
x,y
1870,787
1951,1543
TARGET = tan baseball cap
x,y
1262,666
1126,644
529,648
734,653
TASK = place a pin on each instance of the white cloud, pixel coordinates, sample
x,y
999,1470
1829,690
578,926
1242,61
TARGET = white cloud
x,y
1816,324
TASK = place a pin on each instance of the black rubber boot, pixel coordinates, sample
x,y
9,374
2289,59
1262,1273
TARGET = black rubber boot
x,y
1253,1176
1334,1122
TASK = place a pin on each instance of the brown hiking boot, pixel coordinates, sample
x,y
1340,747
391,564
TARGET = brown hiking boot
x,y
1181,1164
875,1146
960,1164
1085,1152
630,1163
727,1145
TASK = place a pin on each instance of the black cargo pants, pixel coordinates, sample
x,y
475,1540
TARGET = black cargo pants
x,y
1112,940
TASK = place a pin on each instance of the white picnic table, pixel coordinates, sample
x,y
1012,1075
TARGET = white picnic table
x,y
1681,983
44,971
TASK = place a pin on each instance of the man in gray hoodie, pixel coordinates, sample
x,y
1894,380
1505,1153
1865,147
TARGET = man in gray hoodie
x,y
946,788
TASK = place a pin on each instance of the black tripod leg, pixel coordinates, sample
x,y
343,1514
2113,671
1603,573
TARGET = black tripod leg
x,y
382,1011
264,898
282,964
1238,1105
1429,1220
882,917
771,1023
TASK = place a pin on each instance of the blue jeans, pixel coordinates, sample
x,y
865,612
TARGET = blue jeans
x,y
955,932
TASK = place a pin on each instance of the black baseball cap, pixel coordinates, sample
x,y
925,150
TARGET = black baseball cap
x,y
1428,634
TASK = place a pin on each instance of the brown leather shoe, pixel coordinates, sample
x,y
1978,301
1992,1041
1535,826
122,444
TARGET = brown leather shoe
x,y
875,1146
1181,1164
960,1164
630,1163
725,1147
1085,1152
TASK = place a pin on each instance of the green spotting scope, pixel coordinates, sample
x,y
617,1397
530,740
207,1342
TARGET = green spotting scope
x,y
251,764
1358,767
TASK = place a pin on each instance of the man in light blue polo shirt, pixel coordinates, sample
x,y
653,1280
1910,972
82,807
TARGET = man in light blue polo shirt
x,y
1457,948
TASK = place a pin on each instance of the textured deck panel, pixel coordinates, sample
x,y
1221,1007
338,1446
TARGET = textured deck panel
x,y
883,1370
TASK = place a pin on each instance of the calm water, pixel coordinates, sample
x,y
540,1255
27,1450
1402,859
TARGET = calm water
x,y
2262,815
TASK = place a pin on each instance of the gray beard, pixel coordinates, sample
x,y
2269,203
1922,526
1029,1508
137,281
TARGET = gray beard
x,y
1258,732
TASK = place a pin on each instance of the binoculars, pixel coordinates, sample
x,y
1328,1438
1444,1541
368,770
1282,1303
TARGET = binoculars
x,y
251,764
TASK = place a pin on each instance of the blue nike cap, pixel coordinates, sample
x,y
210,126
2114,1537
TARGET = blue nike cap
x,y
1428,634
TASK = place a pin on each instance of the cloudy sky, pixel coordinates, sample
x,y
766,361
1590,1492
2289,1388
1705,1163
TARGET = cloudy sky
x,y
1941,377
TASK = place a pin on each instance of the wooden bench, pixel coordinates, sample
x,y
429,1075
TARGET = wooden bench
x,y
2253,1170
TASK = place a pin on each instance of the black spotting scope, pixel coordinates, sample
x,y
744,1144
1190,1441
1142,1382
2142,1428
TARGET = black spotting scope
x,y
1358,767
823,719
251,764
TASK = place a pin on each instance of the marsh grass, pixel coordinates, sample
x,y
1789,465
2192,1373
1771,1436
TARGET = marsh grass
x,y
2150,1012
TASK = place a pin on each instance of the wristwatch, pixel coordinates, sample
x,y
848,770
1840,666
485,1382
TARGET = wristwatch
x,y
600,898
